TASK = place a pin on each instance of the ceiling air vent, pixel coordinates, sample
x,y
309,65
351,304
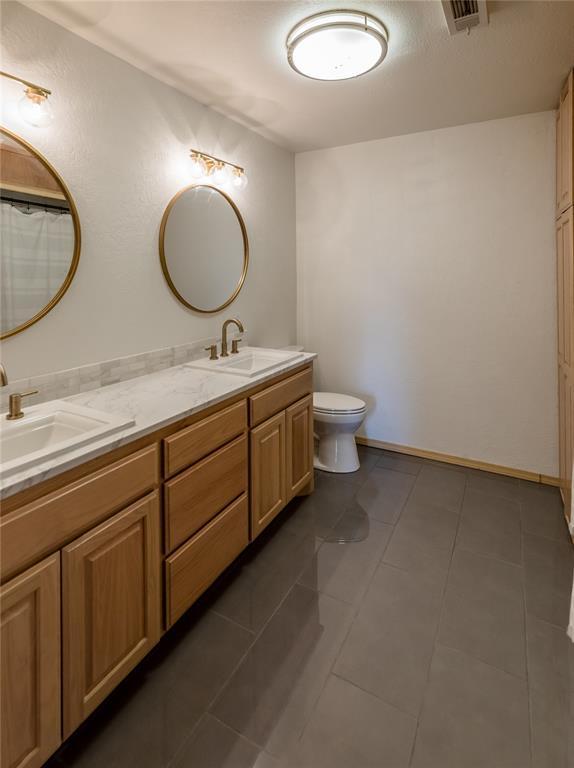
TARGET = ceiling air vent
x,y
461,15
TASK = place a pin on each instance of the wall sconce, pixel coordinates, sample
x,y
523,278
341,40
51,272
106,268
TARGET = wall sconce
x,y
33,107
208,168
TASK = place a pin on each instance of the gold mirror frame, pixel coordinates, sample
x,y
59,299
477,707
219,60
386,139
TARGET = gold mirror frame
x,y
77,235
162,257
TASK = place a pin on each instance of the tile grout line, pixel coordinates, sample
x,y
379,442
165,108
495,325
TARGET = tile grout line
x,y
526,654
435,642
355,611
213,700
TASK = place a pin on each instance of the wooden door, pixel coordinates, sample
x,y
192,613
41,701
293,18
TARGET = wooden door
x,y
30,666
268,481
299,446
564,148
110,604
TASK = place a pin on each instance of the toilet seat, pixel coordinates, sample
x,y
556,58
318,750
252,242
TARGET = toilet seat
x,y
333,403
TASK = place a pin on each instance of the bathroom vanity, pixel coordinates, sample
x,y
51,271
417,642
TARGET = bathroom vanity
x,y
100,558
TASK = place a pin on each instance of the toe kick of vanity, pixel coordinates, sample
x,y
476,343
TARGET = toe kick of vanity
x,y
98,562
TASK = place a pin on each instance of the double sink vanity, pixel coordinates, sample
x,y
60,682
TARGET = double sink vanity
x,y
120,507
122,504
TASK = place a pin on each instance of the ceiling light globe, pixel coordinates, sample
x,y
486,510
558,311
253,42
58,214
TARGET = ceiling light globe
x,y
337,45
221,174
198,169
35,110
239,179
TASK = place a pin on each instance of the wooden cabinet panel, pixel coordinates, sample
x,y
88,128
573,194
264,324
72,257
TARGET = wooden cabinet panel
x,y
196,565
44,525
569,449
268,472
565,148
111,605
196,442
30,666
277,397
299,445
565,286
195,496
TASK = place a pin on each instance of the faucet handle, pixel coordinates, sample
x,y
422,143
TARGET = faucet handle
x,y
212,349
235,346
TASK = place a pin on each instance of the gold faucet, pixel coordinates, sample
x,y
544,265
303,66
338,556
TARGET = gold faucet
x,y
3,376
239,324
15,404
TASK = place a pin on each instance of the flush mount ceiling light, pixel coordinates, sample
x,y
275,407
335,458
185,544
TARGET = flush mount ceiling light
x,y
336,45
34,107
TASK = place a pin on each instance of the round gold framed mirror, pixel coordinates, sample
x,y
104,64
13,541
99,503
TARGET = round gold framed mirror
x,y
41,238
203,248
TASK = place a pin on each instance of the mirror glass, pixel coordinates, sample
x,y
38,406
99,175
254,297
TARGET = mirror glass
x,y
40,235
203,248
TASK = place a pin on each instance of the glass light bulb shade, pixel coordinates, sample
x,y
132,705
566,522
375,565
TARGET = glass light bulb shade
x,y
198,169
221,174
36,111
337,45
239,179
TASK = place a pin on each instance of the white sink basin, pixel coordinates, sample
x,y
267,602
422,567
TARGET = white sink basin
x,y
250,361
50,429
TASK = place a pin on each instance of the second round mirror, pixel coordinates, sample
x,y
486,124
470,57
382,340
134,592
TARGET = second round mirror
x,y
203,248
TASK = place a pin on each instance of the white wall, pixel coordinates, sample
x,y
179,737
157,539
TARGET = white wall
x,y
121,142
426,284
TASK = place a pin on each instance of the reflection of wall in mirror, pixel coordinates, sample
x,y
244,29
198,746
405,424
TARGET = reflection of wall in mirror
x,y
204,248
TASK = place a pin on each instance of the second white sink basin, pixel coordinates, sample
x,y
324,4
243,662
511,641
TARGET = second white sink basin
x,y
49,429
250,361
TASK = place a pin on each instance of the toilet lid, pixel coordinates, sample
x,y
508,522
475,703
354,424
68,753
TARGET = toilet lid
x,y
330,402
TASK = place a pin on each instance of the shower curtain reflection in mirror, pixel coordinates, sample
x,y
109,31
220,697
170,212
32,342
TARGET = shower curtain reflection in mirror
x,y
36,251
40,235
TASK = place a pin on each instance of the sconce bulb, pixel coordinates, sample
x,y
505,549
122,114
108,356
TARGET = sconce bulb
x,y
221,174
239,179
35,109
198,168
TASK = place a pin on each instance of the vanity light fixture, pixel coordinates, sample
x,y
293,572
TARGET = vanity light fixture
x,y
337,45
208,168
34,106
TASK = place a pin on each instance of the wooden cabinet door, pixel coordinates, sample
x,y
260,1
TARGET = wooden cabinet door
x,y
565,286
299,453
30,666
268,482
568,445
564,147
110,604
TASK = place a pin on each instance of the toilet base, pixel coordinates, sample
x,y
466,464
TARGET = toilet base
x,y
337,453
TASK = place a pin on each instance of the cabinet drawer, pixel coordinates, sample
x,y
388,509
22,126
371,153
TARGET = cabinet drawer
x,y
276,398
196,442
197,564
44,525
198,494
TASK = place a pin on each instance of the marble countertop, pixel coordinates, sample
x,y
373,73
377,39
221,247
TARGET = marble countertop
x,y
152,401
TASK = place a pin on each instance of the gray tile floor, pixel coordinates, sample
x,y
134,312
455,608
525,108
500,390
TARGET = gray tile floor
x,y
409,614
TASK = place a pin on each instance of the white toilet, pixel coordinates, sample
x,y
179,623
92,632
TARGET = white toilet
x,y
336,419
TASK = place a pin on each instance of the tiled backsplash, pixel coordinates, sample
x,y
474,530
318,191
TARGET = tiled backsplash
x,y
52,386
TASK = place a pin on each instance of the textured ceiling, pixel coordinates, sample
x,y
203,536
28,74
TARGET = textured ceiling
x,y
229,54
